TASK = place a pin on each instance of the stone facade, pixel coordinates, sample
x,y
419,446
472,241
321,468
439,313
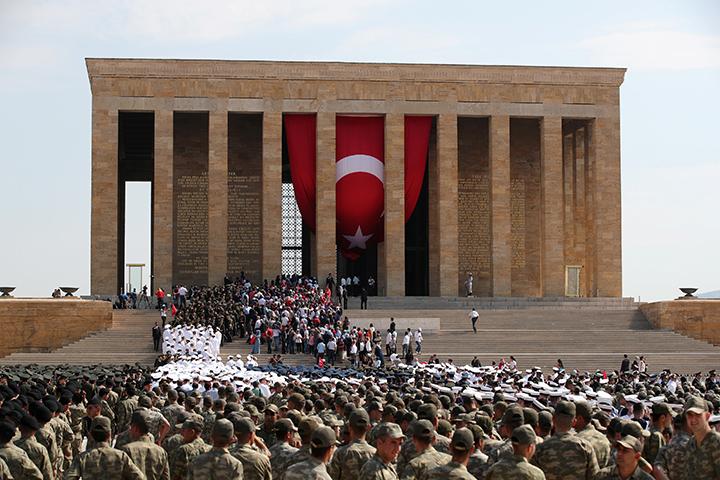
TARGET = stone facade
x,y
695,318
42,325
523,170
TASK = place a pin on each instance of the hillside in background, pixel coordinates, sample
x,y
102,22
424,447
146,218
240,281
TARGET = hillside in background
x,y
713,294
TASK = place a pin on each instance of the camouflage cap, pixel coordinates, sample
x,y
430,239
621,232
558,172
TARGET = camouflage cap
x,y
565,409
323,437
629,441
140,417
245,426
307,426
662,408
359,417
583,409
427,411
695,405
523,435
423,428
444,427
514,413
272,408
195,422
100,424
392,430
462,439
545,420
223,430
285,425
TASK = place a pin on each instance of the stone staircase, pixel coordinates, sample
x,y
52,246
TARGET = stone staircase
x,y
587,334
128,341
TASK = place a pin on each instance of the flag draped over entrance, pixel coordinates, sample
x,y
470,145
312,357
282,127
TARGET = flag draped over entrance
x,y
359,174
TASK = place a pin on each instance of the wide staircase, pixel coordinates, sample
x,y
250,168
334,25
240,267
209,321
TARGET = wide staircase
x,y
586,334
127,342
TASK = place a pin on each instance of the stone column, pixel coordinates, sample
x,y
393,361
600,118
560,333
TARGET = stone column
x,y
393,262
500,205
162,259
272,195
325,215
551,185
217,193
447,192
605,153
104,266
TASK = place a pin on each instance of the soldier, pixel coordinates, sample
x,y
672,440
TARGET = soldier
x,y
565,455
661,419
158,426
193,445
517,466
172,442
670,461
256,466
423,436
512,418
77,412
217,463
214,414
428,412
629,451
93,411
265,431
18,462
586,430
348,460
46,435
148,457
37,453
461,446
103,462
389,442
305,429
282,450
478,462
126,408
702,458
171,410
322,444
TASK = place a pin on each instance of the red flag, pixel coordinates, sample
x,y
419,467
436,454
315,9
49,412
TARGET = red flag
x,y
174,310
604,375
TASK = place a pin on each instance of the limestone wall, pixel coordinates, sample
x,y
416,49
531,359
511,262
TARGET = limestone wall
x,y
41,325
695,318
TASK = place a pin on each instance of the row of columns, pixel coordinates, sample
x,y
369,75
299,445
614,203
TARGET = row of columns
x,y
443,218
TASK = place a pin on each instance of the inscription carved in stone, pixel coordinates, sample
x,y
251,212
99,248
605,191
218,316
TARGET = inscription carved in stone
x,y
191,225
474,224
244,224
517,223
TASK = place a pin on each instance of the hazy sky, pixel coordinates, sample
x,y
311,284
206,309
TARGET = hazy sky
x,y
670,103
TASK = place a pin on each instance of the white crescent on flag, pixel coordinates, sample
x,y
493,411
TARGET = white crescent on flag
x,y
360,164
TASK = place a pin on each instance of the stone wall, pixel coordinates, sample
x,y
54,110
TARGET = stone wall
x,y
694,318
41,325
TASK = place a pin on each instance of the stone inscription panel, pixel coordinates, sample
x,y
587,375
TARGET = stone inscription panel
x,y
517,223
190,198
244,249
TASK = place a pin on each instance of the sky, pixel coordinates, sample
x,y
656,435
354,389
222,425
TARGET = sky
x,y
669,105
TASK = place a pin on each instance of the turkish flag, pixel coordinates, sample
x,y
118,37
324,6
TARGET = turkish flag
x,y
359,183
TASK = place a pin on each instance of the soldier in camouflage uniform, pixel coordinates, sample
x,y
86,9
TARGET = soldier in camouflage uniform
x,y
151,459
214,414
282,450
323,442
256,466
305,429
103,462
702,456
389,443
126,408
18,462
512,418
428,412
265,431
192,447
37,453
77,412
347,461
106,410
171,411
586,430
158,425
478,462
462,446
423,436
516,466
172,442
45,436
566,456
629,452
217,463
661,419
670,461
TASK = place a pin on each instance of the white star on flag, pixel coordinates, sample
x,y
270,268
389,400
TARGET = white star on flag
x,y
358,240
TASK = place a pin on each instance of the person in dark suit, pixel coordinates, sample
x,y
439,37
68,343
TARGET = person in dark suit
x,y
625,365
157,336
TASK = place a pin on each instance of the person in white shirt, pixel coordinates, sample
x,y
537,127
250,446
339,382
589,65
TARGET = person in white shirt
x,y
388,342
418,340
406,342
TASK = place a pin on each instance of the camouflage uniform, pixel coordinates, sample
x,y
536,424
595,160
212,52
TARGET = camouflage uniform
x,y
19,463
124,439
371,436
63,437
113,400
566,457
612,473
170,413
423,463
408,451
155,419
46,437
124,412
450,471
301,455
599,442
671,457
347,461
107,411
38,454
215,464
504,450
377,469
5,471
267,436
281,453
208,422
477,464
151,459
653,444
103,462
514,467
184,455
77,413
171,443
703,460
490,444
256,466
311,469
